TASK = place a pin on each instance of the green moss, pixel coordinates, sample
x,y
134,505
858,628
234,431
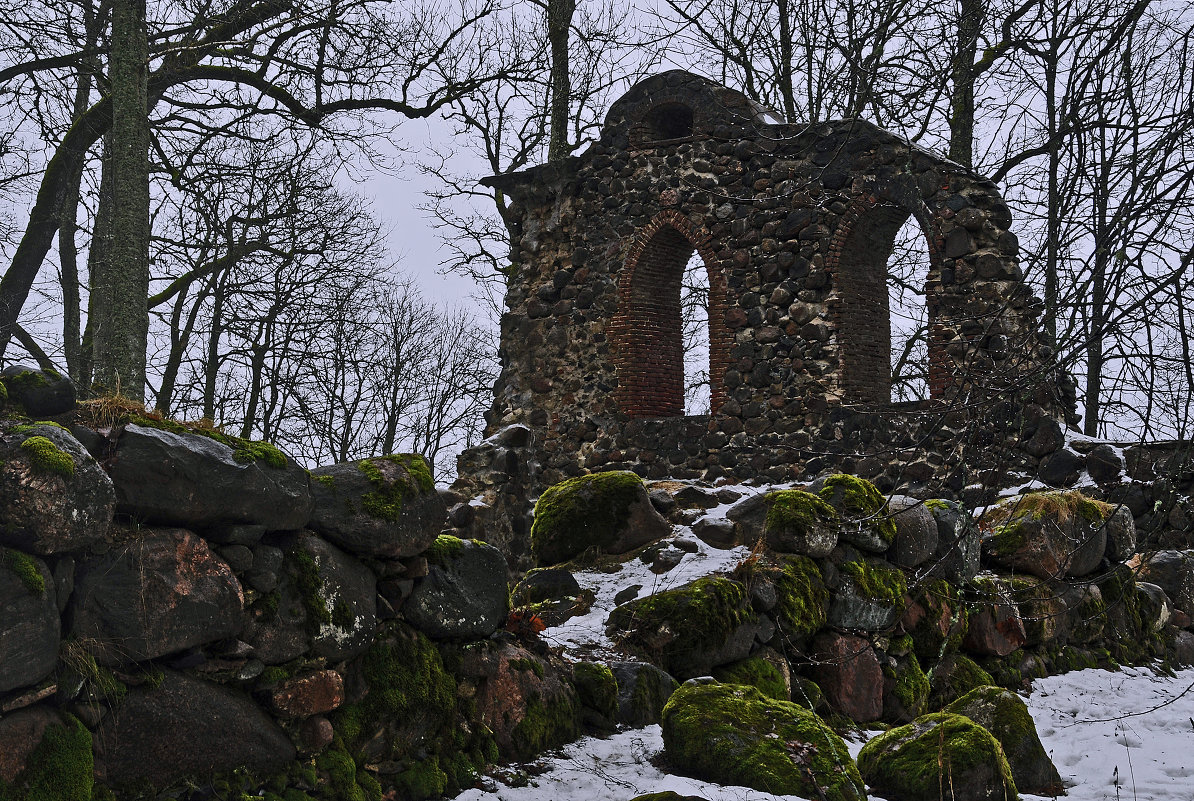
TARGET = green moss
x,y
29,379
387,498
920,759
1001,524
911,686
25,568
732,734
800,589
806,692
546,724
273,674
343,777
754,672
596,687
47,458
533,665
327,481
31,427
244,451
859,499
342,615
424,779
269,604
942,604
444,549
798,512
700,616
964,675
937,504
876,582
310,586
582,512
59,769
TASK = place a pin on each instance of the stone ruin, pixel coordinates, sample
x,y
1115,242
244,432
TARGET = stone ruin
x,y
794,225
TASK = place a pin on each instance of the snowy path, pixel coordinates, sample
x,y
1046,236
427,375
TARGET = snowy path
x,y
1146,757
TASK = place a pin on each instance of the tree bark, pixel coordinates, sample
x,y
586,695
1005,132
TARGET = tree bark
x,y
121,286
559,26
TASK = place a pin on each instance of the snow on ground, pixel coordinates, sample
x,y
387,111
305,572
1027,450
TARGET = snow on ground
x,y
585,636
1119,736
1103,755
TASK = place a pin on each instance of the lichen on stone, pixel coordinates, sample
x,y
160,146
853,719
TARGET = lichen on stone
x,y
47,458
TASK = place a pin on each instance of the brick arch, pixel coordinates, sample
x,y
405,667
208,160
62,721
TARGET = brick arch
x,y
645,331
859,307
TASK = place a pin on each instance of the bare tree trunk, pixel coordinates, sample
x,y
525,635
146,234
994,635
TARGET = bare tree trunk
x,y
972,14
559,25
121,288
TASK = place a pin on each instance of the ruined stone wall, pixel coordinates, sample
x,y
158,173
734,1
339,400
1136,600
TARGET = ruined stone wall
x,y
794,226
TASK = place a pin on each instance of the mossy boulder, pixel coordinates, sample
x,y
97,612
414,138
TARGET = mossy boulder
x,y
464,592
405,708
553,594
167,474
797,588
54,497
609,512
953,676
1006,716
763,674
1049,535
1042,607
869,596
643,690
44,756
865,521
935,619
941,755
29,620
689,630
385,506
597,690
41,393
731,734
801,523
905,689
338,595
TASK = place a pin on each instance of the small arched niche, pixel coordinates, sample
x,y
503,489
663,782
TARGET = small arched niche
x,y
665,122
669,349
883,322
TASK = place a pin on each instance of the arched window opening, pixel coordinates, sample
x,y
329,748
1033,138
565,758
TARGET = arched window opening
x,y
882,322
694,316
907,275
669,354
667,121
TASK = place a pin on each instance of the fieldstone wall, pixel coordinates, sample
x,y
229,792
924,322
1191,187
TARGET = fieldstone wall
x,y
794,225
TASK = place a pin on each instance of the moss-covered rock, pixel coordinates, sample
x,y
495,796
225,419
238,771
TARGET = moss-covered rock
x,y
800,522
41,393
801,599
59,766
1006,716
385,506
732,734
935,619
1047,534
464,593
643,689
905,690
941,755
994,627
862,508
755,672
959,545
1042,609
609,512
953,676
870,596
597,690
689,630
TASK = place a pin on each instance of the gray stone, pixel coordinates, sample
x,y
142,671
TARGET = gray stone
x,y
916,531
194,481
42,393
29,623
186,728
643,689
385,506
1047,438
959,544
1121,535
1173,572
54,496
463,594
1061,468
339,595
159,594
1104,465
716,532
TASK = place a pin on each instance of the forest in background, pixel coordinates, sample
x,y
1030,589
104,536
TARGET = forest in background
x,y
272,308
